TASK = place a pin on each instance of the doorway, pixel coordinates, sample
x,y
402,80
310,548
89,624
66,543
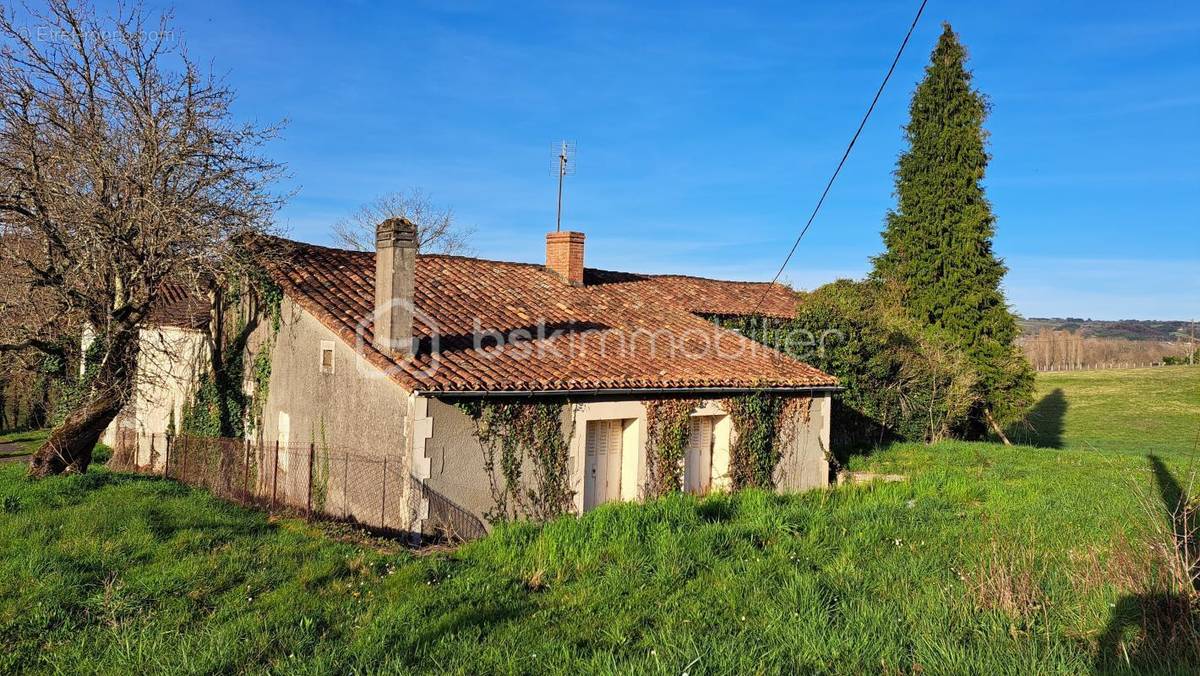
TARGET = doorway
x,y
697,460
602,468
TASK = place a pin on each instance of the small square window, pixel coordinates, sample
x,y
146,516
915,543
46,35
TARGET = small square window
x,y
326,356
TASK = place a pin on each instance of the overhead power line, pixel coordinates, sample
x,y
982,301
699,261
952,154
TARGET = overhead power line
x,y
870,109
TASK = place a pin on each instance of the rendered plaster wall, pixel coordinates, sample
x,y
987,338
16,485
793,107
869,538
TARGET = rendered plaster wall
x,y
170,361
805,462
456,457
347,418
456,460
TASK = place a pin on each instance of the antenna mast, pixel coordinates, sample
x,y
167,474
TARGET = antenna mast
x,y
562,165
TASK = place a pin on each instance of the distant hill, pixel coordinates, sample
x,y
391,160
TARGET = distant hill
x,y
1127,329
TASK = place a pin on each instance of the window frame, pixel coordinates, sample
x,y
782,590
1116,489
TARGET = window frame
x,y
327,347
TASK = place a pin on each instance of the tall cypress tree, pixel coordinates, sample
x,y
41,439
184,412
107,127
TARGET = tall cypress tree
x,y
939,236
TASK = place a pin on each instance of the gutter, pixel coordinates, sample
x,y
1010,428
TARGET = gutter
x,y
443,394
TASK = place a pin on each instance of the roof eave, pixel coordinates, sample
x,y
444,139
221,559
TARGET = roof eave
x,y
806,389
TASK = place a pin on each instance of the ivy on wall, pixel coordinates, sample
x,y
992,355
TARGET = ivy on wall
x,y
667,430
75,391
320,468
271,298
764,424
517,436
260,376
220,406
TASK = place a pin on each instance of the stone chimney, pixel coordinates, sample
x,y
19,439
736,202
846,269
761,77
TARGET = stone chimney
x,y
564,256
395,268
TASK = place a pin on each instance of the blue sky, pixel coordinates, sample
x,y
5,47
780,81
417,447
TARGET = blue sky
x,y
705,132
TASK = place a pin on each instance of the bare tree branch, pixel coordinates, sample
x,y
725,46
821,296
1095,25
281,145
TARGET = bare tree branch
x,y
120,171
437,231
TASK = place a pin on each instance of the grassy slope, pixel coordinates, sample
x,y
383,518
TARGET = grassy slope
x,y
122,573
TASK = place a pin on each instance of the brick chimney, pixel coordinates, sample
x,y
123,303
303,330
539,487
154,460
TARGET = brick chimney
x,y
395,268
564,256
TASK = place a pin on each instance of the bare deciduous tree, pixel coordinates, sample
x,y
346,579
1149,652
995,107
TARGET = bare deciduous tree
x,y
437,231
120,169
1059,350
34,333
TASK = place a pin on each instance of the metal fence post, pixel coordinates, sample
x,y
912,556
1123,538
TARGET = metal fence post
x,y
383,502
167,457
259,456
150,458
345,482
246,475
312,455
183,471
275,475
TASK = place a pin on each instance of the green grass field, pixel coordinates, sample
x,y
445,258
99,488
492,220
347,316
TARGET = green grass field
x,y
1136,411
988,560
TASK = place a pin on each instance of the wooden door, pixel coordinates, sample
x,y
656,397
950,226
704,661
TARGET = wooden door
x,y
697,461
602,466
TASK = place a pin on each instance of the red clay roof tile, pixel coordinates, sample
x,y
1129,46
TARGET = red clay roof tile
x,y
617,331
180,306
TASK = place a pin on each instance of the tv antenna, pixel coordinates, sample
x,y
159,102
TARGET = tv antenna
x,y
562,165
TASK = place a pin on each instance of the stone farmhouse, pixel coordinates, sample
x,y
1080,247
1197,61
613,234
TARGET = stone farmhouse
x,y
377,352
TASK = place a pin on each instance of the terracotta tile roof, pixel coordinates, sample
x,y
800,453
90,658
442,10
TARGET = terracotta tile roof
x,y
179,306
618,331
706,296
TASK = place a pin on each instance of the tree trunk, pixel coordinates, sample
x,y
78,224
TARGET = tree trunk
x,y
996,427
69,446
39,407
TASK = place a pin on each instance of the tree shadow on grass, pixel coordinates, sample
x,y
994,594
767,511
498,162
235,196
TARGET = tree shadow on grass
x,y
1159,631
1043,425
1150,633
80,485
716,510
469,618
166,525
223,521
1170,490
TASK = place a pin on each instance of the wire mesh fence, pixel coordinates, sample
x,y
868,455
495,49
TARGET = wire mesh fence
x,y
371,490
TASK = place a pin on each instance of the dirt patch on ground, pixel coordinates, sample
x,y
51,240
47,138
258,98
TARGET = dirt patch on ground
x,y
13,452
